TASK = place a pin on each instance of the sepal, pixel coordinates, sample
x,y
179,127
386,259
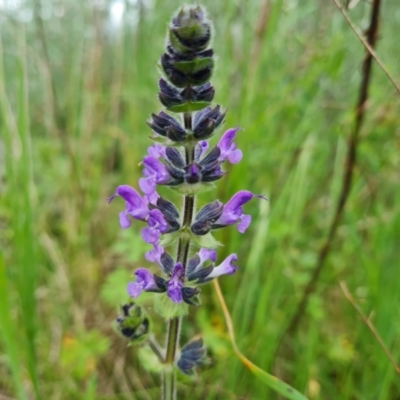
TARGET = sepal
x,y
167,263
201,274
191,295
175,157
206,121
168,127
168,309
170,214
206,217
161,283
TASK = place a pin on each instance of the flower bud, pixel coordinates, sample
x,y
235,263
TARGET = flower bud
x,y
187,73
167,126
206,217
191,98
133,323
190,295
170,214
206,121
190,30
169,95
193,354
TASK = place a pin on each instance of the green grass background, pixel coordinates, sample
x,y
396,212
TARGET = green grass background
x,y
72,128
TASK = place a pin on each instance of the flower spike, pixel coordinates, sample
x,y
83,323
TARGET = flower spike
x,y
180,158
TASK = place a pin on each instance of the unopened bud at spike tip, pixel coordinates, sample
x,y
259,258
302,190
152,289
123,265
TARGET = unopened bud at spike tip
x,y
190,30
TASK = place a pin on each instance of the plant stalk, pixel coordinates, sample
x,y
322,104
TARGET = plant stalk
x,y
174,324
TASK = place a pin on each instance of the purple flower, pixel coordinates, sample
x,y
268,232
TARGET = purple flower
x,y
228,147
175,284
233,211
144,281
226,267
157,226
137,207
155,172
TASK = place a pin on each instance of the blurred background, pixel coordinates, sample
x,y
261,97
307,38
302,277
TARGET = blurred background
x,y
78,80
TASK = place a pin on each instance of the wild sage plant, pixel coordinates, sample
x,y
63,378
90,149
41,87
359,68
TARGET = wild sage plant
x,y
180,158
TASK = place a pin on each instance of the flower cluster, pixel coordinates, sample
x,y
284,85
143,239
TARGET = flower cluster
x,y
181,158
179,284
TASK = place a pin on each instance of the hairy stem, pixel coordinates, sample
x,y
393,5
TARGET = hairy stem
x,y
156,348
174,324
169,375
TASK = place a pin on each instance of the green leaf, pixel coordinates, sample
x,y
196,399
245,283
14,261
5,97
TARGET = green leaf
x,y
190,67
167,308
207,241
114,289
169,238
188,107
195,188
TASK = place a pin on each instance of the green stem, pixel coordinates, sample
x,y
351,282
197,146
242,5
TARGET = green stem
x,y
174,324
156,348
169,376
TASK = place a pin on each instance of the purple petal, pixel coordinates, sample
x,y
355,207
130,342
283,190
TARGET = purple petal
x,y
156,220
230,217
244,223
124,221
136,205
151,235
134,289
235,156
193,174
155,254
228,148
227,138
146,277
226,267
131,196
144,281
207,254
175,294
201,148
153,166
233,212
179,271
157,151
175,283
152,197
148,185
238,200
